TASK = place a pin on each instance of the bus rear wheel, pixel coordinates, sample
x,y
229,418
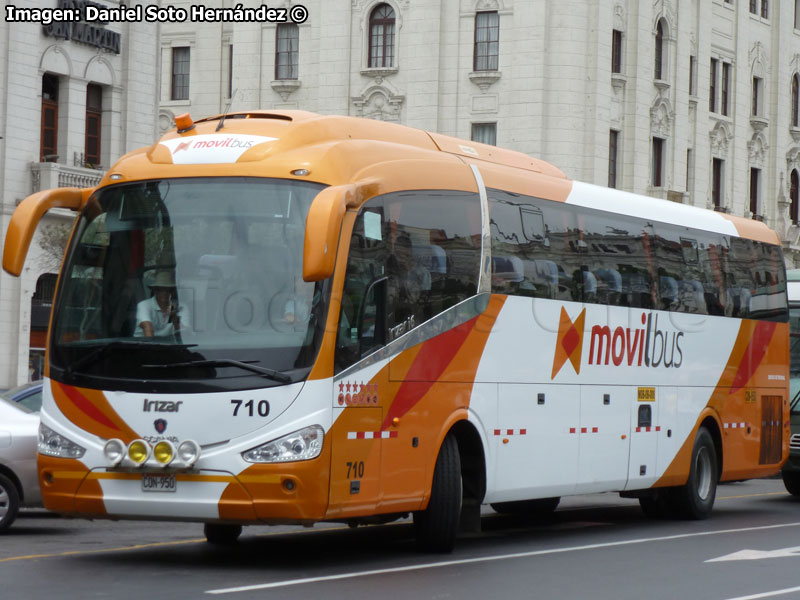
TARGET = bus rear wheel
x,y
791,481
436,526
695,499
533,508
222,535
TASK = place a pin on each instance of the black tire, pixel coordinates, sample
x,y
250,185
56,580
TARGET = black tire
x,y
791,480
656,504
222,535
533,508
436,527
9,502
695,499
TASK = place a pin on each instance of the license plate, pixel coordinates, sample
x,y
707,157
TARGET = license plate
x,y
159,483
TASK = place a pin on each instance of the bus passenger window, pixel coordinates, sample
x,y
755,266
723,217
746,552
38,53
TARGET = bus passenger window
x,y
532,247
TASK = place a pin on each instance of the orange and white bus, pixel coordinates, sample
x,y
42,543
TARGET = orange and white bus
x,y
280,317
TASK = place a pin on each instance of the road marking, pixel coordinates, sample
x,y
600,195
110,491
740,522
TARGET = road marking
x,y
467,561
752,495
199,540
767,594
121,549
758,554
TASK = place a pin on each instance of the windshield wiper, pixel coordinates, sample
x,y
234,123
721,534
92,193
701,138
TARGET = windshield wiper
x,y
228,362
101,351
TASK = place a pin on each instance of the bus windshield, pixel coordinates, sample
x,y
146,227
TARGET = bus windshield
x,y
195,283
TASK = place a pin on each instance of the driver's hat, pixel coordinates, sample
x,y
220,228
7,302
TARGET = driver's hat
x,y
163,279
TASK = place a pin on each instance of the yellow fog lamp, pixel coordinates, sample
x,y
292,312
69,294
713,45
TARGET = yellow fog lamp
x,y
139,451
114,451
164,452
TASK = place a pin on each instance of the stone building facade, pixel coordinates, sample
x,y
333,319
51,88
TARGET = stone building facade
x,y
690,100
69,107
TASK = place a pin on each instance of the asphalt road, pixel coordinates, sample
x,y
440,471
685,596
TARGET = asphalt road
x,y
594,547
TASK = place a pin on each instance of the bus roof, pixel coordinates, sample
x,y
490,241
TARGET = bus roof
x,y
337,150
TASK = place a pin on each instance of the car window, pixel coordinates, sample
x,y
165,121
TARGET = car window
x,y
32,401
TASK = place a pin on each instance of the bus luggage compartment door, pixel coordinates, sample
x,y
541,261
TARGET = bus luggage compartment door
x,y
604,433
535,440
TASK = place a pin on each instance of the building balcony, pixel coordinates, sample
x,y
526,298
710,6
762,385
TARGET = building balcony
x,y
49,175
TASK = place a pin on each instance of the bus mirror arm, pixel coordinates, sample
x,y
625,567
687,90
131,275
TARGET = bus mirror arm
x,y
26,217
324,224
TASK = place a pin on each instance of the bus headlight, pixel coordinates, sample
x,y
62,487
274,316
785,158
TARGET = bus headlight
x,y
189,452
300,445
114,451
139,451
164,452
54,444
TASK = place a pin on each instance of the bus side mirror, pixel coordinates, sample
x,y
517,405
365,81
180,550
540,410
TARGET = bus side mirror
x,y
27,216
323,225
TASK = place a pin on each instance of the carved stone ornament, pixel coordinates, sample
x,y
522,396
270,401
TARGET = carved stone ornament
x,y
484,79
759,61
661,117
378,102
757,149
720,138
285,87
166,121
488,5
793,159
359,5
663,10
619,17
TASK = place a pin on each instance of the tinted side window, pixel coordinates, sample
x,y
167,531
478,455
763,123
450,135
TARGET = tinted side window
x,y
533,246
739,265
546,249
412,256
769,298
618,266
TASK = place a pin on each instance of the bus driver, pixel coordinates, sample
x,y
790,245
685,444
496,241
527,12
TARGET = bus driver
x,y
161,314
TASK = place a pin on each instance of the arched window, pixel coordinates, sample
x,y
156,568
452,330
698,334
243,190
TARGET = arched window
x,y
794,196
796,100
381,36
659,66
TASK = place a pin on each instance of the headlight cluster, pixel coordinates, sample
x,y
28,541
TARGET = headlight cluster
x,y
140,453
54,444
300,445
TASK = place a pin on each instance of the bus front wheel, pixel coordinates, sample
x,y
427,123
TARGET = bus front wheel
x,y
695,499
436,526
222,535
792,482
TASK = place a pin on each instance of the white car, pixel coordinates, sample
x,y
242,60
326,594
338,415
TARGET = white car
x,y
19,484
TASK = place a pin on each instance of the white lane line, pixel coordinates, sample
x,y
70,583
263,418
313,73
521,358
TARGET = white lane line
x,y
466,561
767,594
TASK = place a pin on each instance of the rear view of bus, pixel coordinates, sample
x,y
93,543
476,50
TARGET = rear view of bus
x,y
280,317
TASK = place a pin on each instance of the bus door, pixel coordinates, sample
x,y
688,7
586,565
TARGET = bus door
x,y
536,440
356,444
604,434
646,430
